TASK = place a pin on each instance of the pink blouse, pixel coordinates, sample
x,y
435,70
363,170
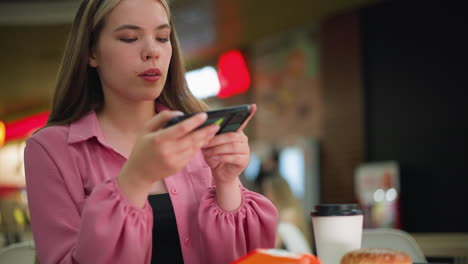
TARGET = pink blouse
x,y
79,214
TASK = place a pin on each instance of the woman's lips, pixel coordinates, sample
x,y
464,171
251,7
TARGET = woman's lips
x,y
151,75
150,78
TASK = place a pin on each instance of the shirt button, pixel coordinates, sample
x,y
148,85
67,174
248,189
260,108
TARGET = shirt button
x,y
174,191
187,242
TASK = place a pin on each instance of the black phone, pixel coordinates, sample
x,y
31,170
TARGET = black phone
x,y
229,119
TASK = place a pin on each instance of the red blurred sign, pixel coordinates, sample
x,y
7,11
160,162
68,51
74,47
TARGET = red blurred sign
x,y
233,74
22,128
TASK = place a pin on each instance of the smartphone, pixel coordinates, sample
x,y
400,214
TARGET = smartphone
x,y
229,119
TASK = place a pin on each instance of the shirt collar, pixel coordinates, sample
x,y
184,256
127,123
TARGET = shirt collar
x,y
88,127
85,128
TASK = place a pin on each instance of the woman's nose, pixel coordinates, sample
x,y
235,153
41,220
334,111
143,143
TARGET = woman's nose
x,y
150,51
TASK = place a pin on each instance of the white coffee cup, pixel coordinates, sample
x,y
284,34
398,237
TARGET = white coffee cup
x,y
337,230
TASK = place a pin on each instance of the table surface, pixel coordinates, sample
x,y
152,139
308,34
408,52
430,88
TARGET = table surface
x,y
443,244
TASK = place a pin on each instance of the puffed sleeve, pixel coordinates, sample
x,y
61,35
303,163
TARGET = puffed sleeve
x,y
105,229
228,235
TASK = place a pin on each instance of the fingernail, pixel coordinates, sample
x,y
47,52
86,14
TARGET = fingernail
x,y
214,128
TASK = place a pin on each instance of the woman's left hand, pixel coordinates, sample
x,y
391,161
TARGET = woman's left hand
x,y
228,154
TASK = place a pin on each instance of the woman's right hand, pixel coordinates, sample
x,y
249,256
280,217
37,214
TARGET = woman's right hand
x,y
160,152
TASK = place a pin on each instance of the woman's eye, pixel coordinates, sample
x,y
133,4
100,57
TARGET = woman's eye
x,y
162,39
128,40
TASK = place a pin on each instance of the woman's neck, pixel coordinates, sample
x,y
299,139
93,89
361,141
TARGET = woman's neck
x,y
128,119
121,123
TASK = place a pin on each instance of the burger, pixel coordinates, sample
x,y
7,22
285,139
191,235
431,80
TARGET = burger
x,y
376,255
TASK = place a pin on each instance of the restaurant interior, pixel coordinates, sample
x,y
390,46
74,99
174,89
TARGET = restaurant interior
x,y
359,101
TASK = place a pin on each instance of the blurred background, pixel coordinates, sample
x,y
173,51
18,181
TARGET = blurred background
x,y
359,101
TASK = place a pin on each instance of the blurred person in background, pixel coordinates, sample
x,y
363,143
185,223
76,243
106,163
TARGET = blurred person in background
x,y
268,167
294,232
11,216
107,182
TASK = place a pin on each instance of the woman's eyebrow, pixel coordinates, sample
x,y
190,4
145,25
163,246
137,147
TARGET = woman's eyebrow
x,y
135,27
162,26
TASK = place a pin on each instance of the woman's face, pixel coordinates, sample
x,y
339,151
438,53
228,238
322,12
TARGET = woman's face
x,y
133,51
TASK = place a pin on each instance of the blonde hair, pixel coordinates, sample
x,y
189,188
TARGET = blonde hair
x,y
78,89
283,198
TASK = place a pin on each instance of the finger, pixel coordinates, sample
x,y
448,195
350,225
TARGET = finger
x,y
212,161
177,153
198,138
236,159
181,158
186,126
202,136
230,148
226,138
186,148
192,142
253,110
159,120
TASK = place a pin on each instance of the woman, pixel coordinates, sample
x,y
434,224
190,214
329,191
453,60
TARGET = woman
x,y
294,232
107,183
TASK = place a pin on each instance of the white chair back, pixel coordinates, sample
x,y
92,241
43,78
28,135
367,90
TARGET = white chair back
x,y
19,253
393,239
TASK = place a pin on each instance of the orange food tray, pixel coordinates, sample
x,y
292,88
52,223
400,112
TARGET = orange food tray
x,y
276,256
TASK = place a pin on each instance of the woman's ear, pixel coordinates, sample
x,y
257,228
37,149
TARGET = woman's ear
x,y
92,61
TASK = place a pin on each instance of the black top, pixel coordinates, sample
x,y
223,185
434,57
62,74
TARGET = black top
x,y
166,243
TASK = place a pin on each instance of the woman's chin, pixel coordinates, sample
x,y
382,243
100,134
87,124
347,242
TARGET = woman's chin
x,y
150,96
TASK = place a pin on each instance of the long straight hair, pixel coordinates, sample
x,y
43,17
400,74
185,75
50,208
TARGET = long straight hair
x,y
284,199
78,89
